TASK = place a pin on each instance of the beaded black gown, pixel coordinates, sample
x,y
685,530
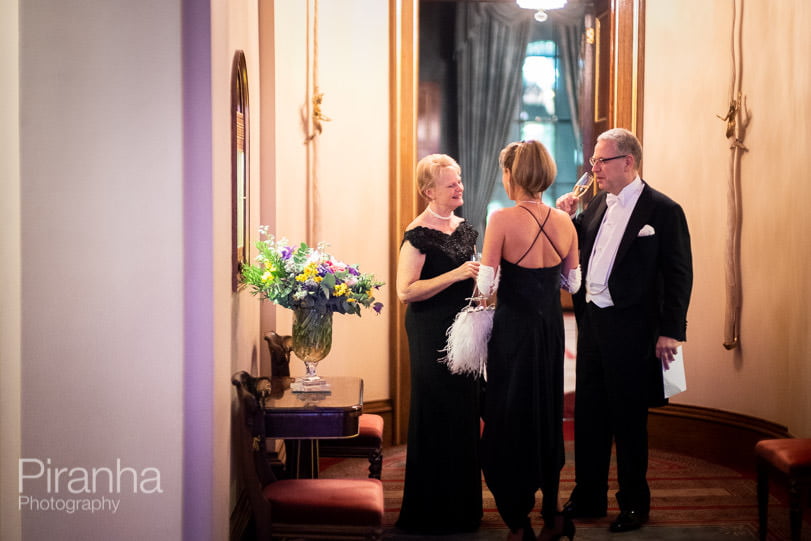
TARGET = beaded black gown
x,y
442,492
522,444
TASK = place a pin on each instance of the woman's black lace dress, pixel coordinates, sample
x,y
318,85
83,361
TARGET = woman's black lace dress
x,y
442,491
522,445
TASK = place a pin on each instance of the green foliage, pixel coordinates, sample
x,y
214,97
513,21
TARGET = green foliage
x,y
311,278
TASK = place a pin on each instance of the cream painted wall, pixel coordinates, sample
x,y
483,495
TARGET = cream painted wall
x,y
237,29
688,73
350,162
235,26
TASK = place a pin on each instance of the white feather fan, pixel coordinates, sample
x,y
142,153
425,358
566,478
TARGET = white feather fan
x,y
468,336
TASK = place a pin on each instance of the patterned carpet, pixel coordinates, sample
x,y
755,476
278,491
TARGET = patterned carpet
x,y
691,500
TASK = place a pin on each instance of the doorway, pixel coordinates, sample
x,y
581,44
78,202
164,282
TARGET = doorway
x,y
490,73
614,36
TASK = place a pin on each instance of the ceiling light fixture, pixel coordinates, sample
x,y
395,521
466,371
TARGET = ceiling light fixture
x,y
541,6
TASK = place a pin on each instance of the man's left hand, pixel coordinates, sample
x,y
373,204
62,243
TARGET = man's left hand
x,y
666,348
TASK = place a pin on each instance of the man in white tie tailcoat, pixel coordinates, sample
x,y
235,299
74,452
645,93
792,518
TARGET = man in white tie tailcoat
x,y
631,316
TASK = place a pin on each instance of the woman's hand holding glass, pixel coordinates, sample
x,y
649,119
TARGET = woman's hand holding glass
x,y
467,270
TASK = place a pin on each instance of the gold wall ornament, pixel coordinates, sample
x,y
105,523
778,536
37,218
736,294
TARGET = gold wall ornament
x,y
318,117
737,121
312,120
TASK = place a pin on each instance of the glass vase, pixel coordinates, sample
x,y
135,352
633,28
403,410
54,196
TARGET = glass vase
x,y
312,338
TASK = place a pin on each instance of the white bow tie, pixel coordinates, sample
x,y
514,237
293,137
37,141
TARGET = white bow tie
x,y
612,200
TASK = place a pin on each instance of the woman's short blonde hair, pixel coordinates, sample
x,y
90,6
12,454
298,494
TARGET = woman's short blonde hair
x,y
530,165
428,170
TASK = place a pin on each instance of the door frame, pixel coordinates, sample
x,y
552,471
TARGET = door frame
x,y
625,100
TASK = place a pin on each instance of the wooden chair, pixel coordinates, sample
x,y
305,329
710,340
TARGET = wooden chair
x,y
280,348
787,459
367,444
301,508
369,441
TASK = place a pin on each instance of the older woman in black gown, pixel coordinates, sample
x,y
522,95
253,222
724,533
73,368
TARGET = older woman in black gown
x,y
435,275
530,245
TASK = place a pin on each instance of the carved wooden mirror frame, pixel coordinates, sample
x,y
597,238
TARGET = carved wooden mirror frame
x,y
240,160
619,21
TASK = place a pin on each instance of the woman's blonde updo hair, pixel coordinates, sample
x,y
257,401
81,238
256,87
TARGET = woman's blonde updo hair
x,y
530,165
428,170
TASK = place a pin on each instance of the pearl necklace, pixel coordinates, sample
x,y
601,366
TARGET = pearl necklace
x,y
536,201
438,216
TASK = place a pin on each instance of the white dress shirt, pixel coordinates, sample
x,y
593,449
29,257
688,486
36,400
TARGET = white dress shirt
x,y
608,240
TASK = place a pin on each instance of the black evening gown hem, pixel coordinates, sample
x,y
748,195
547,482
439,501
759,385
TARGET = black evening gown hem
x,y
522,445
442,491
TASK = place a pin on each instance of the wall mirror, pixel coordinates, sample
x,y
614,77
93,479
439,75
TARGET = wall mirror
x,y
239,166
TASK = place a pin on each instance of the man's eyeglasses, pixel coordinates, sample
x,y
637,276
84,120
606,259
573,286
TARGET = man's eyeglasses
x,y
601,161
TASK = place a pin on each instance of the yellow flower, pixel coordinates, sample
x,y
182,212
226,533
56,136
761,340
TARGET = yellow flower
x,y
341,289
310,271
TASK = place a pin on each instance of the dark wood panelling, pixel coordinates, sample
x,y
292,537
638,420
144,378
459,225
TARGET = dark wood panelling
x,y
714,435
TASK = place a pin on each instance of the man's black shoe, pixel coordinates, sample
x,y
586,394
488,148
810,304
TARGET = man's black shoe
x,y
628,521
572,509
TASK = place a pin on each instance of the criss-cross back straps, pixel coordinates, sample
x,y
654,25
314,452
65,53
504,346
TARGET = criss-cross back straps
x,y
540,230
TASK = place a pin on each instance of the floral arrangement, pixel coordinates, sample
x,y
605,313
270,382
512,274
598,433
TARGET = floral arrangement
x,y
308,278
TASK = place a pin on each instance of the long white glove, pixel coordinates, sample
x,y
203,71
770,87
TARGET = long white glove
x,y
570,282
487,280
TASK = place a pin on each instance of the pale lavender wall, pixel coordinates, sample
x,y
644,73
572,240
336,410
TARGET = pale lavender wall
x,y
126,325
198,287
10,269
103,270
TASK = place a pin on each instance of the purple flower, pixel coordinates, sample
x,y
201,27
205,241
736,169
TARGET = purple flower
x,y
286,252
378,306
352,270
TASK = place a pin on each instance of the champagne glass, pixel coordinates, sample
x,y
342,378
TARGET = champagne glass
x,y
583,184
477,296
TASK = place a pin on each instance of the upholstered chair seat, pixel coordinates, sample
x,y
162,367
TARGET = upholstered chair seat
x,y
325,501
789,461
297,508
367,444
